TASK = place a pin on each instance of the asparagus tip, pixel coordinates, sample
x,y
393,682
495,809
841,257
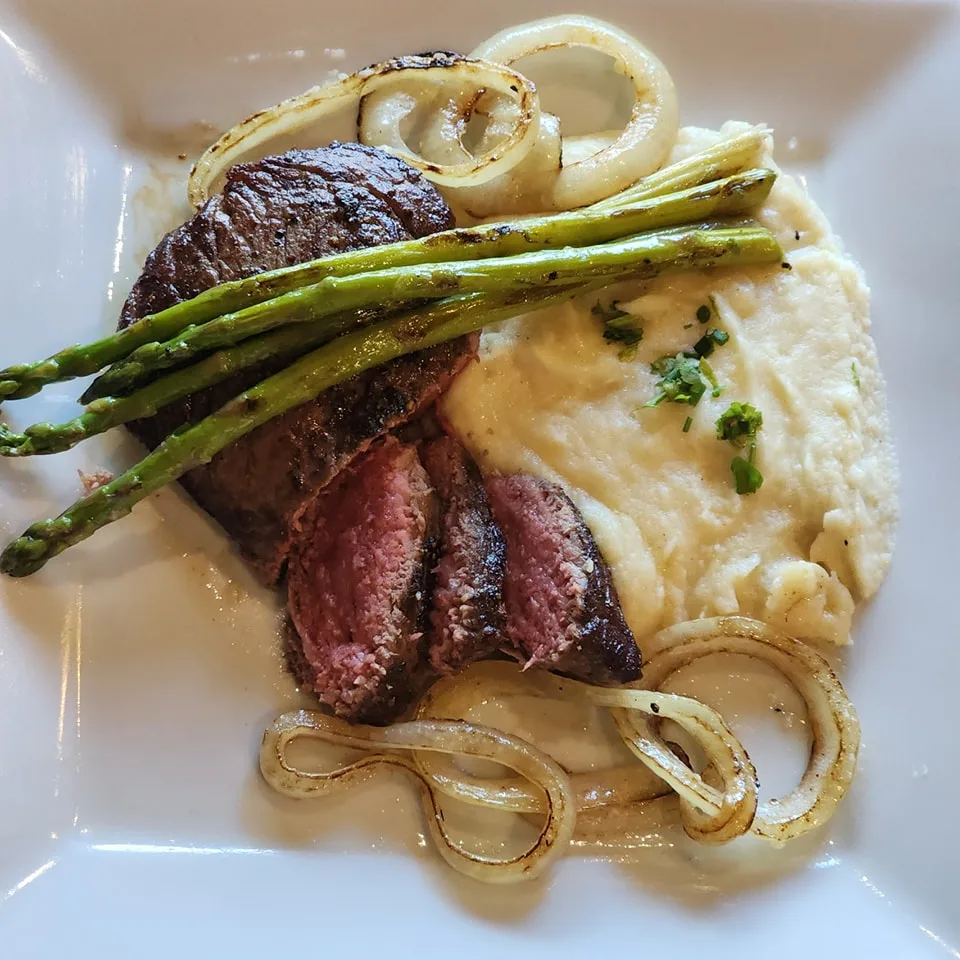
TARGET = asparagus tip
x,y
24,556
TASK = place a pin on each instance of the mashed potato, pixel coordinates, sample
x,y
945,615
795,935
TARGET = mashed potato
x,y
551,397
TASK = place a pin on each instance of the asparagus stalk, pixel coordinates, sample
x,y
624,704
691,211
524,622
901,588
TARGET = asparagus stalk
x,y
297,384
641,256
102,414
704,200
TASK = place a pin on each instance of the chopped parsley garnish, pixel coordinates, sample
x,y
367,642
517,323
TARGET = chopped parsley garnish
x,y
856,374
684,377
681,380
746,477
624,329
739,424
620,327
709,309
707,371
687,424
709,341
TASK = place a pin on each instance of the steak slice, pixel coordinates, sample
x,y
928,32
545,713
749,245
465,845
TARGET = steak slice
x,y
562,607
277,212
356,584
468,615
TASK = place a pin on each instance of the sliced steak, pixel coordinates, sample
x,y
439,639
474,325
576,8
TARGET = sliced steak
x,y
468,613
562,607
357,581
277,212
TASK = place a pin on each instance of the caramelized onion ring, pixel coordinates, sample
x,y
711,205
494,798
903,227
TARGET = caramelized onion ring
x,y
584,169
525,188
298,112
463,739
644,144
709,815
834,727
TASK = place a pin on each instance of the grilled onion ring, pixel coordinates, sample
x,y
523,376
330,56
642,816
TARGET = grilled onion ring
x,y
298,112
644,144
516,191
590,169
585,169
834,727
464,739
525,188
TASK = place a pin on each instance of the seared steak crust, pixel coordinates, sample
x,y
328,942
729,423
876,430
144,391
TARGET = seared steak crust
x,y
277,212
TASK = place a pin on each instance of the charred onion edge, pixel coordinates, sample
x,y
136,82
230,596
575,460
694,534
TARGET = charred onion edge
x,y
295,113
708,815
834,728
524,188
444,736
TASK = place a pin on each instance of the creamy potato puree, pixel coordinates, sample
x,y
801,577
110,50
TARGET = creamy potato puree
x,y
551,397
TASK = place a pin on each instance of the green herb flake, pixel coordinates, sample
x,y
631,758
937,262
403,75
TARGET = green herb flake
x,y
710,340
746,477
703,313
628,336
707,371
622,334
620,327
739,425
687,424
687,326
856,374
681,380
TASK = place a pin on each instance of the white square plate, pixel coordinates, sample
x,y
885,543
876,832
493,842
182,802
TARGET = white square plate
x,y
137,673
